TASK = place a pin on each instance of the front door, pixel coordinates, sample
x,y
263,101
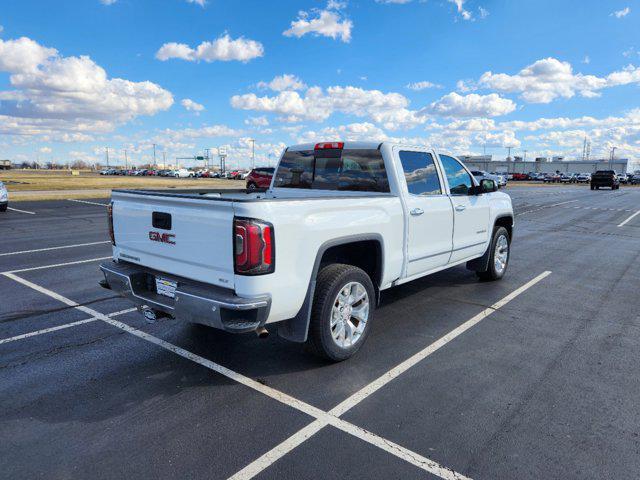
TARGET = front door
x,y
471,230
429,213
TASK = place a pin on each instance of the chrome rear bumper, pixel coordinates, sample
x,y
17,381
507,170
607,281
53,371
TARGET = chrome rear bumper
x,y
194,302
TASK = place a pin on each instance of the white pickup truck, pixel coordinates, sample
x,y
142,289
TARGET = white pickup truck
x,y
310,255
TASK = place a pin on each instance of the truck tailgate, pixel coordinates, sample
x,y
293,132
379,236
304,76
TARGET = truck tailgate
x,y
187,237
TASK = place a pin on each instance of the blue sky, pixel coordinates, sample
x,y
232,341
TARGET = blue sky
x,y
463,75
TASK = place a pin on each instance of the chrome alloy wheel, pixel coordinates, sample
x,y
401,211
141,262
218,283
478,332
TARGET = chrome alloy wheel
x,y
501,254
349,314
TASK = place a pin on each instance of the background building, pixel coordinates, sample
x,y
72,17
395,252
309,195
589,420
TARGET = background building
x,y
5,164
543,165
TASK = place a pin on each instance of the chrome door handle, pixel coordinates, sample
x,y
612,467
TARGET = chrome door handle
x,y
417,211
460,208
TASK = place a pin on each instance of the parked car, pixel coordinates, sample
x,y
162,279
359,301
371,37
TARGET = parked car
x,y
260,177
481,175
622,178
568,178
551,178
604,178
183,173
520,177
635,180
4,198
375,216
502,178
583,178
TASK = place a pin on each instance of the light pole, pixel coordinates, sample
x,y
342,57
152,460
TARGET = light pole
x,y
253,153
154,155
107,150
126,160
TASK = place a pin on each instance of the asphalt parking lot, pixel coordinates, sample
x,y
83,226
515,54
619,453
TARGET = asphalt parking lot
x,y
532,377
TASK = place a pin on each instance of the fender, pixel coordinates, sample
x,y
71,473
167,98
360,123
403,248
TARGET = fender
x,y
481,264
296,329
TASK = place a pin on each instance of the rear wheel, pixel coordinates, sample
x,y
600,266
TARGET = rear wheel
x,y
342,312
498,256
3,208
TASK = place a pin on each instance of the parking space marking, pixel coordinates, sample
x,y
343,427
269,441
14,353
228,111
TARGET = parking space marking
x,y
43,267
629,219
321,416
62,327
54,248
285,447
546,206
21,211
89,203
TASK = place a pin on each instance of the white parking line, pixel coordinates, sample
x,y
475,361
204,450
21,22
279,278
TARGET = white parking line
x,y
62,327
546,206
21,211
53,248
629,219
285,447
322,418
325,418
43,267
90,203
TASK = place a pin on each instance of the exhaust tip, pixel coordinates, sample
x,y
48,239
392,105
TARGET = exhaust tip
x,y
262,332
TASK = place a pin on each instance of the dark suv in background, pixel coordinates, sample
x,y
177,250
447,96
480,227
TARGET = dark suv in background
x,y
605,178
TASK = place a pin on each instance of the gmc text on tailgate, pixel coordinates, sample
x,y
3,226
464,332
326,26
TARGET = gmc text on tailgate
x,y
310,255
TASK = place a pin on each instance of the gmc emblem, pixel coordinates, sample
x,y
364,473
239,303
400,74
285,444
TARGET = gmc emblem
x,y
162,237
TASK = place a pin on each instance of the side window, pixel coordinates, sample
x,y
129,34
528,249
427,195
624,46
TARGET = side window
x,y
420,173
459,180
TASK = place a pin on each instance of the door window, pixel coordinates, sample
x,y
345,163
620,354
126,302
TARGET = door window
x,y
420,173
460,181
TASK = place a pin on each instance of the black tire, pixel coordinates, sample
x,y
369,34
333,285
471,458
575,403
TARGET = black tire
x,y
331,280
3,208
592,187
492,273
251,186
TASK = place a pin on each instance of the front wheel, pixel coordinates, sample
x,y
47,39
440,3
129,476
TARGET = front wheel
x,y
342,311
498,256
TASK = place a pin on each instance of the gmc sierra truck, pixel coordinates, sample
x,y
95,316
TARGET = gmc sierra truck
x,y
310,255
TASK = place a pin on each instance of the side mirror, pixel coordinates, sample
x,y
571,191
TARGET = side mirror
x,y
487,185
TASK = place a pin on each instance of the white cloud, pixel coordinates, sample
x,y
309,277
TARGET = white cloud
x,y
352,133
586,60
257,121
621,13
222,49
45,150
108,2
472,105
192,106
210,131
465,14
326,23
549,78
283,82
52,92
422,85
483,12
202,3
318,104
393,1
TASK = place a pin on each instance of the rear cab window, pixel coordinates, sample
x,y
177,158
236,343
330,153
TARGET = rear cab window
x,y
359,170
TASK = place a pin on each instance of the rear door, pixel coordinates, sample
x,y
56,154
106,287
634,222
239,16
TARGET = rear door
x,y
429,212
471,213
191,238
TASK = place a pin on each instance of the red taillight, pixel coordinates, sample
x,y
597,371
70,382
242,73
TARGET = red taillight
x,y
110,220
253,247
329,145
